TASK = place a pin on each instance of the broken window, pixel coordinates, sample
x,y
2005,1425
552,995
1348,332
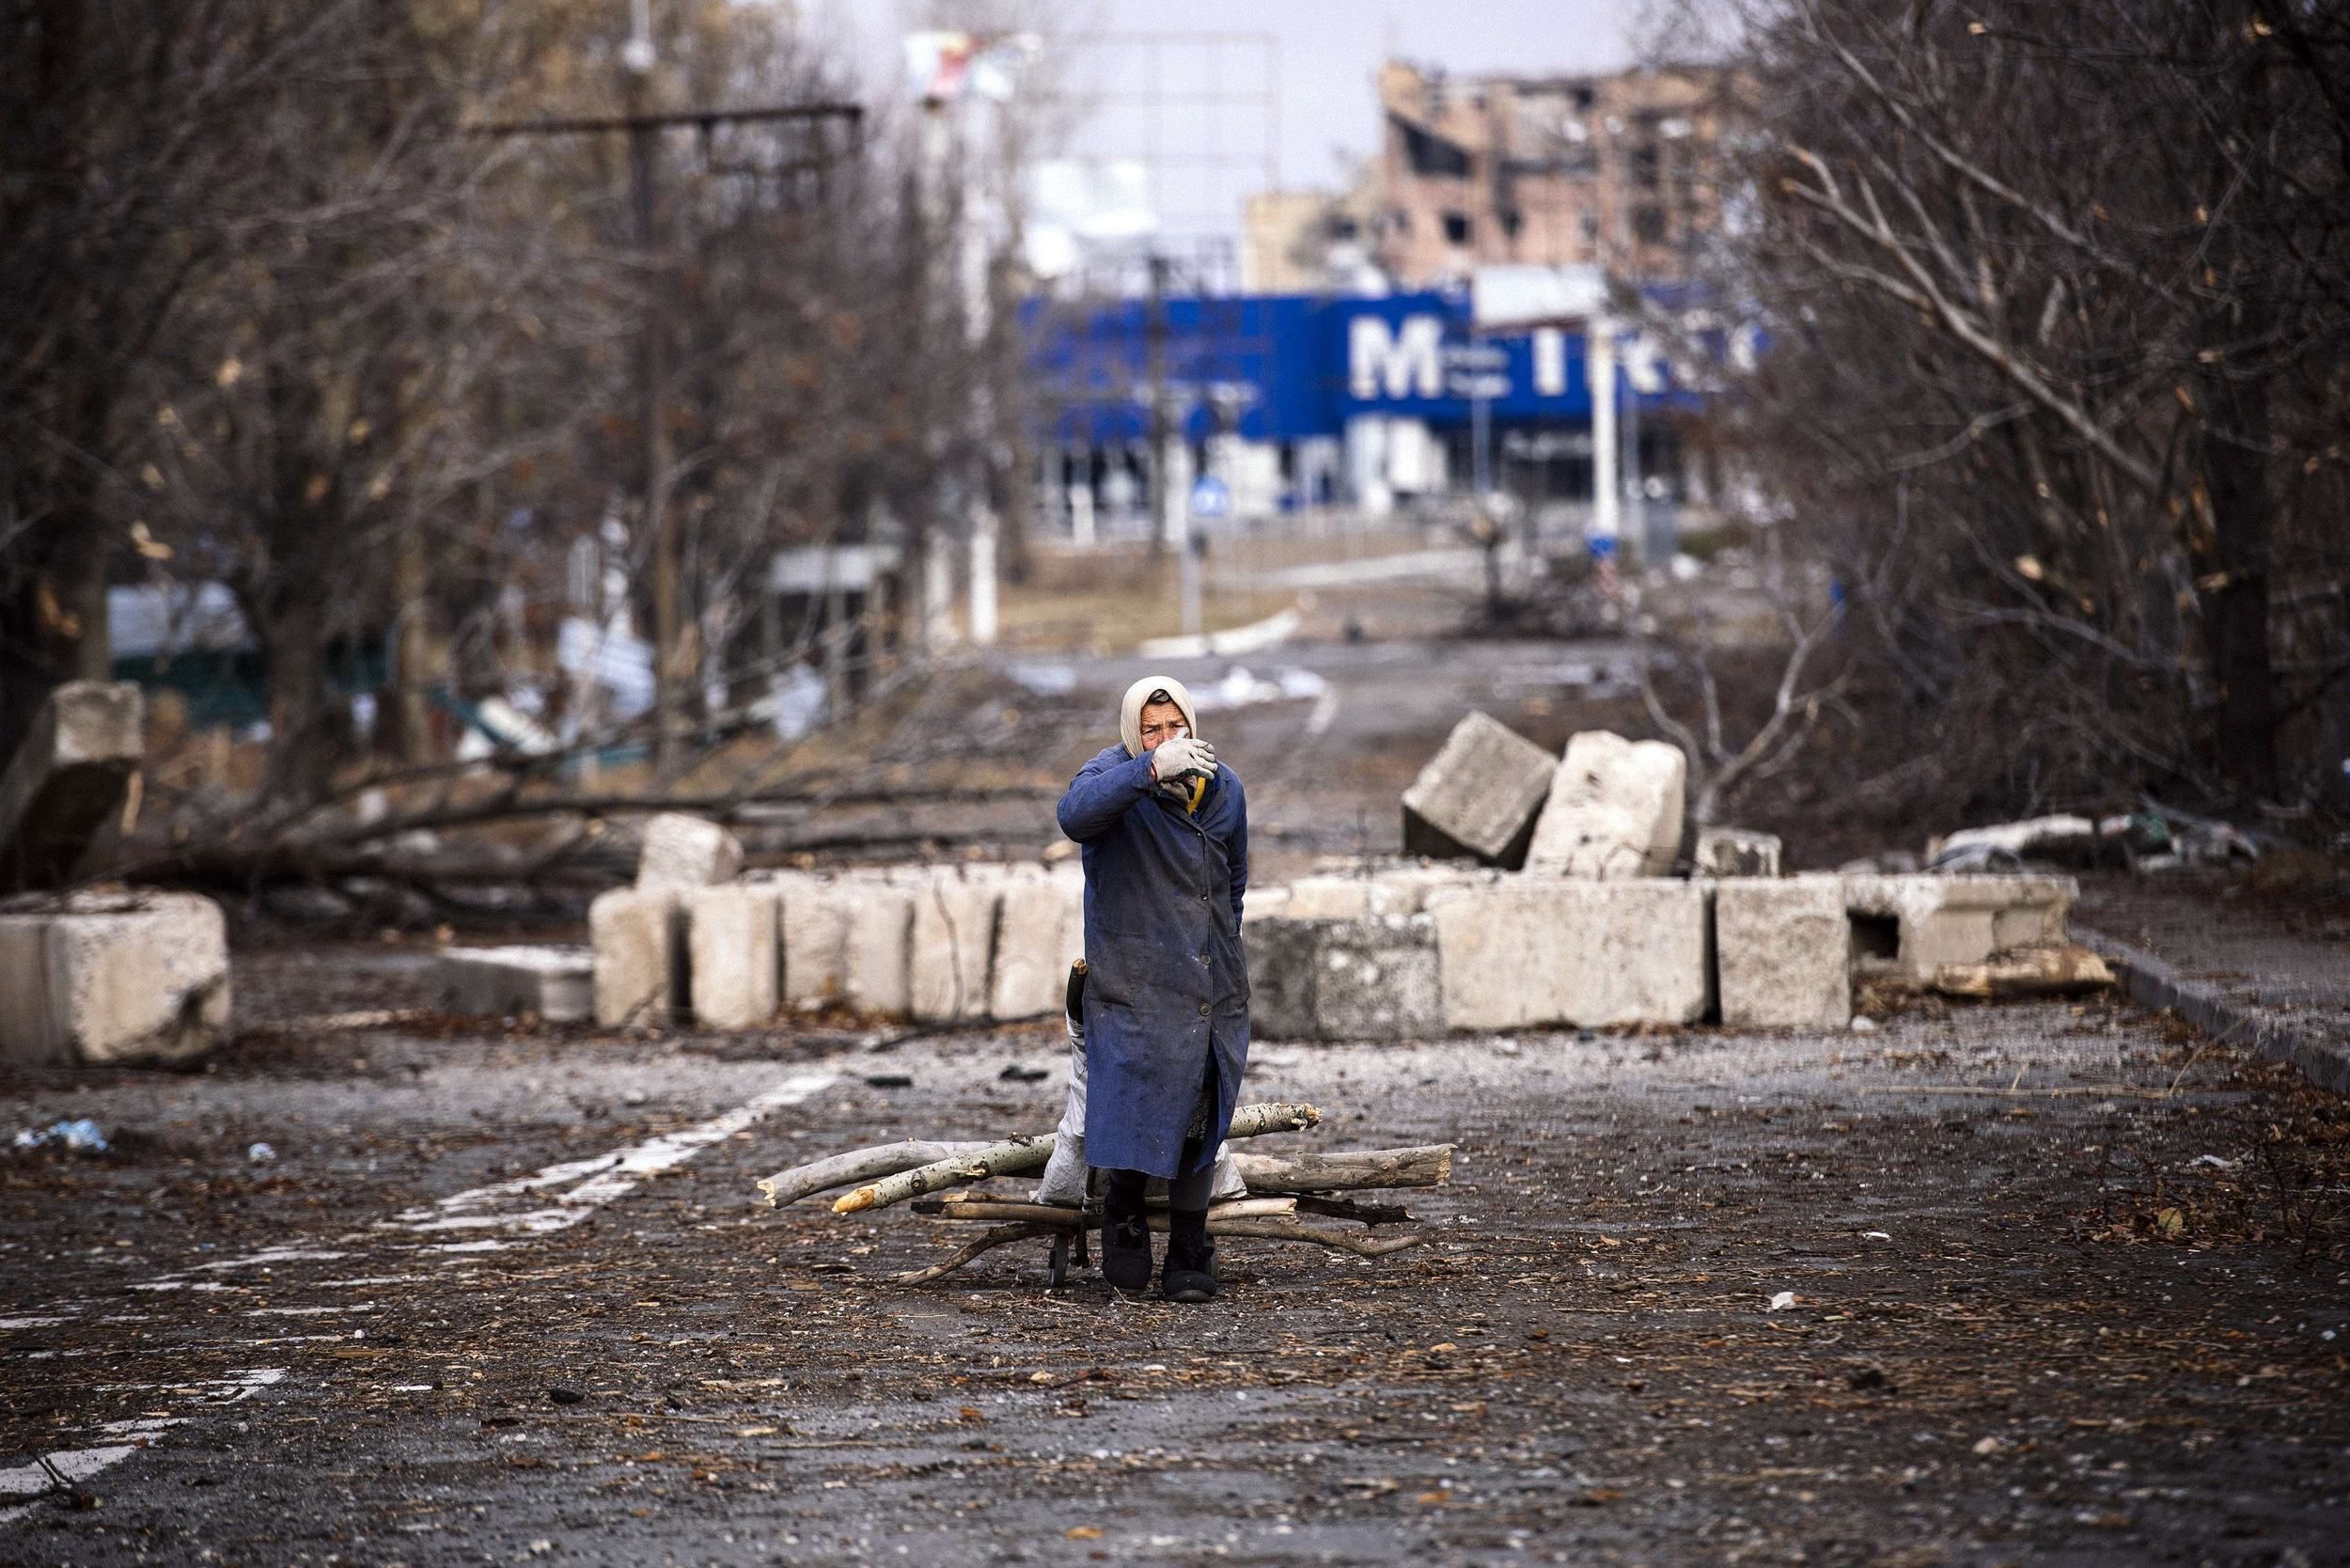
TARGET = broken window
x,y
1457,228
1430,156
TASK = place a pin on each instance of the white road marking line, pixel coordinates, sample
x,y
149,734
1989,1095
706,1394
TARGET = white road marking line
x,y
602,1180
32,1482
607,1178
1325,713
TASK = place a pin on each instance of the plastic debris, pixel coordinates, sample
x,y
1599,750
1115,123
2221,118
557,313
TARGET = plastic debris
x,y
1781,1301
81,1135
261,1153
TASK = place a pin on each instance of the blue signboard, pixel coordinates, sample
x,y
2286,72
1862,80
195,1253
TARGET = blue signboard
x,y
1287,367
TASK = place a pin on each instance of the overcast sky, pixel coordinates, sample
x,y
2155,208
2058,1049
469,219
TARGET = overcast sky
x,y
1328,52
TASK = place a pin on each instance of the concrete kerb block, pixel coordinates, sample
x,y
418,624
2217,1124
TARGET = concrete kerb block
x,y
1915,923
1782,952
732,953
682,852
114,978
953,947
1530,953
1614,809
638,939
812,925
1040,932
1478,797
554,983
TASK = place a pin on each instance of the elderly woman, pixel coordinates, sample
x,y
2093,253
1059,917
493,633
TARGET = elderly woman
x,y
1164,830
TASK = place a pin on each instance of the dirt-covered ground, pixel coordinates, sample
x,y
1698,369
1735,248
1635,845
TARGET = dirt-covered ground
x,y
2067,1286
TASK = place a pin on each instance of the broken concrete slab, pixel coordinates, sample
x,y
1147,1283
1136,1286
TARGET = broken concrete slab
x,y
1783,952
1383,890
682,852
953,947
732,953
1736,851
638,939
1374,978
62,794
1529,953
1911,925
1477,797
557,984
1614,809
114,978
1039,930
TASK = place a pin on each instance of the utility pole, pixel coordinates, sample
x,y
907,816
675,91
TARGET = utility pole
x,y
1155,370
644,128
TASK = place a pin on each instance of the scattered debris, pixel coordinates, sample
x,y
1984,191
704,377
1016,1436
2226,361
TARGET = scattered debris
x,y
1724,852
81,1135
1019,1073
561,1394
260,1154
1780,1301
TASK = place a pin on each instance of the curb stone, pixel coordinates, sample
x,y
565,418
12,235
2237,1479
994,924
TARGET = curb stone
x,y
2155,985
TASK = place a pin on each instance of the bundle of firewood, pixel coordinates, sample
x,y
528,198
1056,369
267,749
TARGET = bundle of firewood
x,y
935,1178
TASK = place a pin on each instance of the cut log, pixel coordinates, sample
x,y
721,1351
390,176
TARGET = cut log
x,y
1015,1156
2065,971
1347,1208
858,1165
1061,1214
1427,1166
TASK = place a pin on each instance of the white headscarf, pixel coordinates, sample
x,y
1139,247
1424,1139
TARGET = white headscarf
x,y
1138,695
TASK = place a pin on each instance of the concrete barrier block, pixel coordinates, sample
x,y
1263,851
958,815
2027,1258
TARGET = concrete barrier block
x,y
877,948
114,978
638,942
1378,978
1479,796
953,947
812,917
1736,851
684,852
1039,930
1782,949
1530,953
1328,898
557,984
61,797
1614,809
731,949
1913,924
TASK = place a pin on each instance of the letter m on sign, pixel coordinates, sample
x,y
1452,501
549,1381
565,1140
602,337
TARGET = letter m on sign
x,y
1403,362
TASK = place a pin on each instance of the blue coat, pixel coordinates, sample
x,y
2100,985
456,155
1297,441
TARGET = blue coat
x,y
1167,988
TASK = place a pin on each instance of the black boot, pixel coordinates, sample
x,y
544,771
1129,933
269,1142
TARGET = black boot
x,y
1190,1258
1125,1234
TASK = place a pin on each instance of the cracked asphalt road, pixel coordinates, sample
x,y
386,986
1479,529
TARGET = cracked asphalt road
x,y
2070,1287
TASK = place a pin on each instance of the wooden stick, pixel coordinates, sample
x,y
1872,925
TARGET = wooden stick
x,y
1062,1214
1013,1156
858,1165
1002,1235
1427,1166
1251,1230
1347,1208
1277,1229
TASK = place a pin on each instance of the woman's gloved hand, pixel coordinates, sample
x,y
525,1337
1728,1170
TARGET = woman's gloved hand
x,y
1181,756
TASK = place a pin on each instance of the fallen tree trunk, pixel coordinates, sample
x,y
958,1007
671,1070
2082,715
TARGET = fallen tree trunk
x,y
1017,1155
1427,1166
858,1165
